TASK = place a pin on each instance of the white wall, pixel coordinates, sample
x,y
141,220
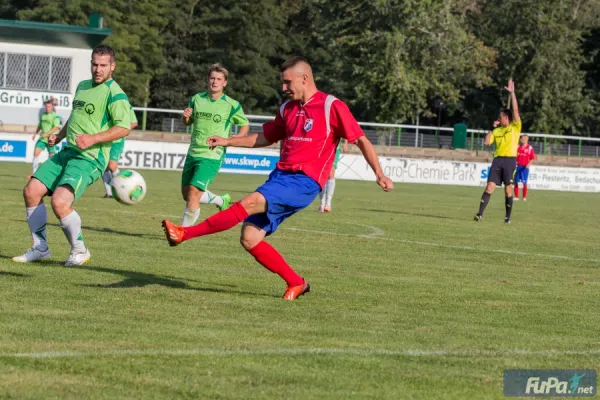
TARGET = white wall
x,y
15,109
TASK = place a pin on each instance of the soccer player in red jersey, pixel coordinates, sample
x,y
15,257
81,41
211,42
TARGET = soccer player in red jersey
x,y
310,124
525,157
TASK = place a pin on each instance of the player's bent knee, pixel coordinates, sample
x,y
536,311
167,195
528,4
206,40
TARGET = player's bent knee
x,y
249,243
62,201
254,203
34,191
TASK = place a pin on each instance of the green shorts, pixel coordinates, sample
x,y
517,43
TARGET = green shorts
x,y
116,150
338,154
70,168
40,144
200,172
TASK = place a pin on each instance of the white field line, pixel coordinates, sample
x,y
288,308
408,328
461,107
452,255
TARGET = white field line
x,y
378,233
301,352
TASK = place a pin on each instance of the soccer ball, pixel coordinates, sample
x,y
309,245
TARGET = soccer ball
x,y
128,187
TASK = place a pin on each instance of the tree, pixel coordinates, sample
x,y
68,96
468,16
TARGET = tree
x,y
539,45
135,39
391,58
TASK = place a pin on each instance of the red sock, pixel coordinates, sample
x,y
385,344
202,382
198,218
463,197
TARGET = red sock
x,y
517,191
524,190
219,222
270,258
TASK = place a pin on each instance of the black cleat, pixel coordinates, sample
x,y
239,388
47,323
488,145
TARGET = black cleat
x,y
108,196
506,220
478,217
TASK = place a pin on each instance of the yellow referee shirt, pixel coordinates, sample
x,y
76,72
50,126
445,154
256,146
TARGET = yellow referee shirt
x,y
507,139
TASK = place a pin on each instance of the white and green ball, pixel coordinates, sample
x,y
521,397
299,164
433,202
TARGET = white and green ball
x,y
128,187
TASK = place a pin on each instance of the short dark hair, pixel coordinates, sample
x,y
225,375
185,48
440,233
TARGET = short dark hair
x,y
508,112
292,62
49,101
104,50
218,68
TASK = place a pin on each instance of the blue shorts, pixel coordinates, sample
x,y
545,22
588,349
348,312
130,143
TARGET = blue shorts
x,y
522,174
286,194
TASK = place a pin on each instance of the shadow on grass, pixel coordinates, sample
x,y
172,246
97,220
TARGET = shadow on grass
x,y
15,274
135,279
141,279
13,176
107,230
414,214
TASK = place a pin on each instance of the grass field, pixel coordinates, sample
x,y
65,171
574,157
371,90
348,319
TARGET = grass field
x,y
411,298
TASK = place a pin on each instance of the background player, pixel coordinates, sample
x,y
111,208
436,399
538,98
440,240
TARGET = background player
x,y
327,192
506,137
525,157
100,116
212,113
114,157
310,125
49,125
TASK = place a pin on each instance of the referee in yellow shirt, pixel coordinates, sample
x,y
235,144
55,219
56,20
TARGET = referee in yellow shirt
x,y
507,129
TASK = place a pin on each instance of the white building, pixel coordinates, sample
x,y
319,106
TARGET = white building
x,y
39,60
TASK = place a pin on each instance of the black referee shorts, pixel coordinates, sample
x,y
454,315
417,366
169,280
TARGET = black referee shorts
x,y
503,171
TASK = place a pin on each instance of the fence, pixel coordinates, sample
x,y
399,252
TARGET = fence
x,y
394,135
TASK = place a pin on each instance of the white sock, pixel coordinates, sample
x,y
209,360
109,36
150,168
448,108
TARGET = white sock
x,y
106,178
37,218
71,226
211,198
190,217
117,172
322,196
36,163
330,189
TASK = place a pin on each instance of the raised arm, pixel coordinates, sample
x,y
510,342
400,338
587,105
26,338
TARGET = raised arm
x,y
513,100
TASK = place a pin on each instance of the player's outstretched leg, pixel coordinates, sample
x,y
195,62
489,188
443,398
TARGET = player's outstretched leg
x,y
219,222
37,218
252,239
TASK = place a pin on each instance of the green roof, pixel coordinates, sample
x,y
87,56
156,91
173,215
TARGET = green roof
x,y
51,34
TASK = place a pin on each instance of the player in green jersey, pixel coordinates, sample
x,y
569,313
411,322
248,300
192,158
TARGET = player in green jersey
x,y
211,113
114,157
326,194
49,125
100,116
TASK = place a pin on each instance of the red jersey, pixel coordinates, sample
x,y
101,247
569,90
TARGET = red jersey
x,y
525,154
311,133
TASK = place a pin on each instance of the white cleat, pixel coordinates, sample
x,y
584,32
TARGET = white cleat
x,y
322,209
78,258
32,255
524,198
517,199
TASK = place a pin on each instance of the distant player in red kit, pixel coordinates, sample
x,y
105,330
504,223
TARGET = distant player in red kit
x,y
525,157
310,125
